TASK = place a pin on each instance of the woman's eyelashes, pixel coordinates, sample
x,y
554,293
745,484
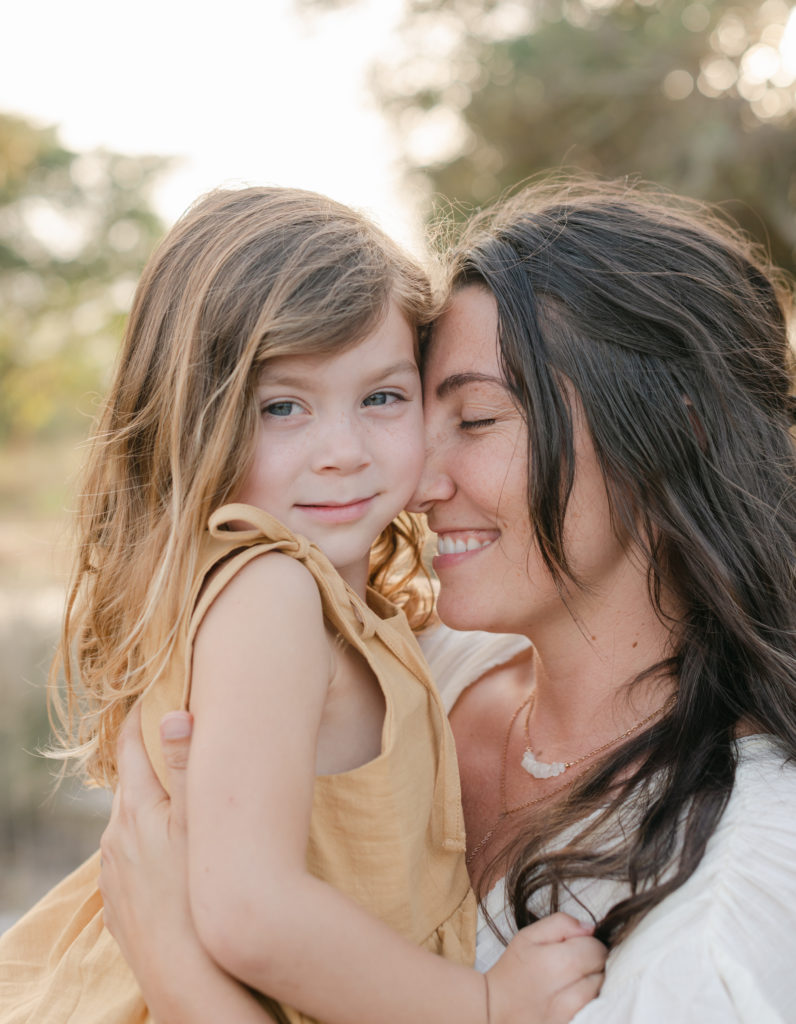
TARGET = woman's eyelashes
x,y
475,424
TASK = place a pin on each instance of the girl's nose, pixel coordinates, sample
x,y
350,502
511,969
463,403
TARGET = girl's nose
x,y
341,447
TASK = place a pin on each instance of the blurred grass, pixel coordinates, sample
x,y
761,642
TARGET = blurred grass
x,y
44,832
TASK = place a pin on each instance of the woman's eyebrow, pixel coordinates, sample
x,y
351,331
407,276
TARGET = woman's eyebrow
x,y
460,380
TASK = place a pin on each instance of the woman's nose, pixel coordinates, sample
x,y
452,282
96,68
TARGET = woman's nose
x,y
435,484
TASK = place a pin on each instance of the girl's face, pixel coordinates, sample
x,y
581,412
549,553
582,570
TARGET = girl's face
x,y
474,487
339,447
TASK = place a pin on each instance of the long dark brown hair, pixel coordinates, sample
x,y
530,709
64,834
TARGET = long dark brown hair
x,y
671,329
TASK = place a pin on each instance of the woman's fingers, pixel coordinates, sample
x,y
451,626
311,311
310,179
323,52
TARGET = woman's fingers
x,y
138,783
175,741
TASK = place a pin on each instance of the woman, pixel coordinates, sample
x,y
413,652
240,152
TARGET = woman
x,y
610,473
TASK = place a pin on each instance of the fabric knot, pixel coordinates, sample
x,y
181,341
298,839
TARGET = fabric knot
x,y
300,546
261,525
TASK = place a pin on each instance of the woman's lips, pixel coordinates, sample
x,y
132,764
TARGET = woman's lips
x,y
457,545
343,513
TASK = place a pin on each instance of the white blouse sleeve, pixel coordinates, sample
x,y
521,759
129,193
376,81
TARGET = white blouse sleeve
x,y
458,658
722,948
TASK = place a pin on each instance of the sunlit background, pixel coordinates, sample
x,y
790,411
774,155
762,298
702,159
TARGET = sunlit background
x,y
254,90
113,118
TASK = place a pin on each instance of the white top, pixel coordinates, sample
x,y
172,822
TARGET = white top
x,y
722,947
458,658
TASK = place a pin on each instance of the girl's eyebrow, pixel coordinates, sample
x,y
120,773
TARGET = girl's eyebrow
x,y
293,380
460,380
405,366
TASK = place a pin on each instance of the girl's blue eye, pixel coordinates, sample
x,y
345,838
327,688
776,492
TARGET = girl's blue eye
x,y
382,398
280,408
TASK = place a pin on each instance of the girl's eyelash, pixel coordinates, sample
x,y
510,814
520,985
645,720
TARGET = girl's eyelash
x,y
267,407
474,424
390,394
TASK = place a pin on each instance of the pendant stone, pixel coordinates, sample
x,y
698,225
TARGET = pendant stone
x,y
541,769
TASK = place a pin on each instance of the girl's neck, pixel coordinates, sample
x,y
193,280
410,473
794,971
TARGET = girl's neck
x,y
357,579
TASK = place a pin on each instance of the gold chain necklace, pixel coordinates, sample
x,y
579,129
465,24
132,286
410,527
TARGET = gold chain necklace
x,y
552,769
506,811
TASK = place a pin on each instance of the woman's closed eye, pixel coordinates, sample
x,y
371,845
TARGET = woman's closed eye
x,y
475,424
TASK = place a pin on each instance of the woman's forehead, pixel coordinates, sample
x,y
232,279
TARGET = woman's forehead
x,y
465,337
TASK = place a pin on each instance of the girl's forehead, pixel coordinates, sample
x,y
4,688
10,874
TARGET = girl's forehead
x,y
389,349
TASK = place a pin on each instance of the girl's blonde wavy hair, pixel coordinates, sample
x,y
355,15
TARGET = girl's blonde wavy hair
x,y
244,277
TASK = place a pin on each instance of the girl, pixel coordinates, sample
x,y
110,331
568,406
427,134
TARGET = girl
x,y
263,431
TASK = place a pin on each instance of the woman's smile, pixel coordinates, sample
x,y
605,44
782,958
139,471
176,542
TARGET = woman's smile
x,y
460,542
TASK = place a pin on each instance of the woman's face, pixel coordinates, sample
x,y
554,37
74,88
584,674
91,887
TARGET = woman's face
x,y
474,487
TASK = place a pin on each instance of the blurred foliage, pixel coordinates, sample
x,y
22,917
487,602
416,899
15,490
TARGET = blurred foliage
x,y
697,96
44,833
75,231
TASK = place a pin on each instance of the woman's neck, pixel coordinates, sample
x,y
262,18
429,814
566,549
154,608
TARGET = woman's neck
x,y
586,660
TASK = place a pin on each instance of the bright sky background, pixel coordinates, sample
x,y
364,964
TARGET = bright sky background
x,y
241,90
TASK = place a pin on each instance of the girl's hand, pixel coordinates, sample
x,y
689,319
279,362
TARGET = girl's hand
x,y
550,970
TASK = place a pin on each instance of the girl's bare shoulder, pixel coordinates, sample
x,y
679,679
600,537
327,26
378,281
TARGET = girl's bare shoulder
x,y
272,578
273,600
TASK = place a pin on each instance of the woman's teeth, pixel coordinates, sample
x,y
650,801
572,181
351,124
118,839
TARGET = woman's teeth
x,y
450,546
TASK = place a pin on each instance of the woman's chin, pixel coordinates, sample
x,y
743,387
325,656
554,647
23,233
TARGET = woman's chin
x,y
464,615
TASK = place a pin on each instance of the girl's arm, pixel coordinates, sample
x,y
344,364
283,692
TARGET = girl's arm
x,y
261,671
143,882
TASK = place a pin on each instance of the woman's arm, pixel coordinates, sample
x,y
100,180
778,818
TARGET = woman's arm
x,y
143,882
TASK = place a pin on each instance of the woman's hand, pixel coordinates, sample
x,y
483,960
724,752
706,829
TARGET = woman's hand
x,y
143,877
144,885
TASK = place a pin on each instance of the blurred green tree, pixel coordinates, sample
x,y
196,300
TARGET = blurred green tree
x,y
75,230
697,95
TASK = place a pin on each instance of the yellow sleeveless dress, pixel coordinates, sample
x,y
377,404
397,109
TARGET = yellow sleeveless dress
x,y
390,834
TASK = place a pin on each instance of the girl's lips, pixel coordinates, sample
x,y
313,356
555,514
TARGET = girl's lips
x,y
337,513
